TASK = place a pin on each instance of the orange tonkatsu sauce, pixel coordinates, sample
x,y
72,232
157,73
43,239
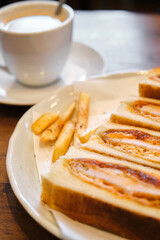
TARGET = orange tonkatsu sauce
x,y
155,78
119,179
132,134
144,145
146,109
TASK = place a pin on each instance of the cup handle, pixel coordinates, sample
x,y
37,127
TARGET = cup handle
x,y
4,68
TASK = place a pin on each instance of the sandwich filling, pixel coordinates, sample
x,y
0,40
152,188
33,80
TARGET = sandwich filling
x,y
155,78
146,109
119,179
135,142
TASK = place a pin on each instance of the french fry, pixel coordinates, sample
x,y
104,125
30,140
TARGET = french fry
x,y
43,122
52,132
63,141
82,115
68,113
85,135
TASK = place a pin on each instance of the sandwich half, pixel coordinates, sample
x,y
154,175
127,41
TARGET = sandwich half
x,y
150,87
137,111
117,196
138,145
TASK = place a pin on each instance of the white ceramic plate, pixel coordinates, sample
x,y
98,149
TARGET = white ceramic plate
x,y
83,62
21,165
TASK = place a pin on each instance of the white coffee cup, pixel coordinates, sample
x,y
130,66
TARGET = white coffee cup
x,y
36,58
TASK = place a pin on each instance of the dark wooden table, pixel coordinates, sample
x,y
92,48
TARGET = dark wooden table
x,y
127,41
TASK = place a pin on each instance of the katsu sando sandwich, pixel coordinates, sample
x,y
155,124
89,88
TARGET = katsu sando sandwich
x,y
125,142
117,196
150,86
137,111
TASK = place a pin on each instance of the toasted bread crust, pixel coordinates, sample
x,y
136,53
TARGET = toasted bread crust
x,y
115,118
99,214
149,91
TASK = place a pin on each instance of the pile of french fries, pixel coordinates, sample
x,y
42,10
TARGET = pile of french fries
x,y
63,130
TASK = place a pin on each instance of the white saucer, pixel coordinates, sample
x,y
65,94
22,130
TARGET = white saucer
x,y
83,63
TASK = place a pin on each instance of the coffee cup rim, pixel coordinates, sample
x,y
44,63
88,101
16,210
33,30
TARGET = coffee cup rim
x,y
64,23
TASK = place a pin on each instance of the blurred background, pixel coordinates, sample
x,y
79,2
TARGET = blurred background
x,y
150,6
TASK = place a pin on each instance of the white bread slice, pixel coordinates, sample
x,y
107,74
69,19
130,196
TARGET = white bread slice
x,y
125,116
97,206
149,88
138,149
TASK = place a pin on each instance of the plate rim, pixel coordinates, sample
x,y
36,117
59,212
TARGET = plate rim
x,y
12,178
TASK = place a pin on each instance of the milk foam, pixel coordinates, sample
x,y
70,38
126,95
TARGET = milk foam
x,y
31,24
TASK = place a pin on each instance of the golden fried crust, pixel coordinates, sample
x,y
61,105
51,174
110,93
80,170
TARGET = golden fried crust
x,y
149,91
100,214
